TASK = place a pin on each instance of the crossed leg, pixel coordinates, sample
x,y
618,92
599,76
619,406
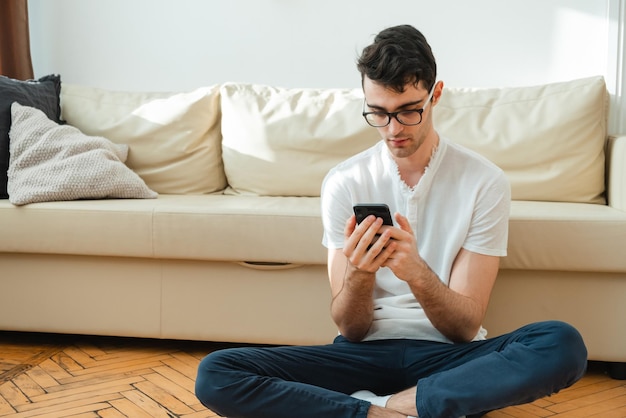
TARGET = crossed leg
x,y
458,379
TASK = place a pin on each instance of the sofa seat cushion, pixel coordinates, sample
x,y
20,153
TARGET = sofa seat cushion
x,y
239,228
82,227
275,230
200,227
566,236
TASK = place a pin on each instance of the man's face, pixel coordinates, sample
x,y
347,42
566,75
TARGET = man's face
x,y
402,140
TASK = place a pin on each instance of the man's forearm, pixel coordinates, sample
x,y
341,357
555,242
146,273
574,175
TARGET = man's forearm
x,y
352,308
454,315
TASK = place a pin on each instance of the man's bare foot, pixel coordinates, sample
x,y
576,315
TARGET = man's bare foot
x,y
404,402
379,412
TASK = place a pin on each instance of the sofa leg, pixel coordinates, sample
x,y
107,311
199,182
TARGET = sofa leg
x,y
617,370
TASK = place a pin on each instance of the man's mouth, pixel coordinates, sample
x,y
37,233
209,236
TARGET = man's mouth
x,y
397,141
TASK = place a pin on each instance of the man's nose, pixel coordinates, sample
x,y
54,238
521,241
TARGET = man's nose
x,y
394,126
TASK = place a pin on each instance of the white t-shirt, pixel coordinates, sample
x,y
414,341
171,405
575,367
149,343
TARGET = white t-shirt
x,y
461,201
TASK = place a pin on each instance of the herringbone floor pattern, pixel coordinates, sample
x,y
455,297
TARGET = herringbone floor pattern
x,y
48,375
75,376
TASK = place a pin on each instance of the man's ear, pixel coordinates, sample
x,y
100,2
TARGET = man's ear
x,y
437,92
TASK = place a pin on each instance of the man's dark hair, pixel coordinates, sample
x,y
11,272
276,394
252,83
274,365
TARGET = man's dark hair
x,y
400,55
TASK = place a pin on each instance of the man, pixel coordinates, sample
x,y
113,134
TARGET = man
x,y
408,299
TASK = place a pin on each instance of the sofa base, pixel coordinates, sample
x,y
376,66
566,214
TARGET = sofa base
x,y
590,301
266,303
80,295
251,303
172,299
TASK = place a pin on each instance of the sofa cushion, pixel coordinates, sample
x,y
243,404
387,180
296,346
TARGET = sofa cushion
x,y
548,139
542,235
42,94
87,227
193,227
561,236
58,162
241,228
174,138
274,230
282,142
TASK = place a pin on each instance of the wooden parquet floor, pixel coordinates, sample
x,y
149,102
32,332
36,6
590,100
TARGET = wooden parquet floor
x,y
49,375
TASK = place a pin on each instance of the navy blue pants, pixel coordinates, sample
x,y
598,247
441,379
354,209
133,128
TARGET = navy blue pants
x,y
452,379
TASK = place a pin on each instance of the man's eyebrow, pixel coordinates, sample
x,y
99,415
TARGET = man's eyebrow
x,y
413,103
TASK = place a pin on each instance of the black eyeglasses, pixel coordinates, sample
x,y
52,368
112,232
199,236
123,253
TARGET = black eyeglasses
x,y
406,117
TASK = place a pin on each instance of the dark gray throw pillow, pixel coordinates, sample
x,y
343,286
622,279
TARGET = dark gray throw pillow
x,y
42,94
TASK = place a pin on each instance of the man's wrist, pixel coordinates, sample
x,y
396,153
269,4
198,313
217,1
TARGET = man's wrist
x,y
422,276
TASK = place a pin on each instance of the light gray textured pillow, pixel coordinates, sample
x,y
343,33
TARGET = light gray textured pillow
x,y
51,162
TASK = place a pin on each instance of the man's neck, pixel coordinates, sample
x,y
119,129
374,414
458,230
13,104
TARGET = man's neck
x,y
413,167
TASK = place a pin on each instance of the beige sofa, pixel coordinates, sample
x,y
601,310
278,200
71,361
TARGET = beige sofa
x,y
231,248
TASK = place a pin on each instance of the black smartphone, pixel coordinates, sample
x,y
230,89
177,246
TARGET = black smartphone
x,y
380,210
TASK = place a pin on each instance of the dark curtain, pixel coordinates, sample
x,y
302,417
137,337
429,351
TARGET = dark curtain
x,y
15,59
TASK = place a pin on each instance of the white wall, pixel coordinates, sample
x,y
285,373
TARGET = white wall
x,y
182,44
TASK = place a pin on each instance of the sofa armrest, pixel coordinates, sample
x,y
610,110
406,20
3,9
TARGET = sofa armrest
x,y
616,172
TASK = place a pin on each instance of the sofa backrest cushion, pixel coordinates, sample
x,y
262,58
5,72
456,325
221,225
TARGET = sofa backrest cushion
x,y
549,139
282,142
174,138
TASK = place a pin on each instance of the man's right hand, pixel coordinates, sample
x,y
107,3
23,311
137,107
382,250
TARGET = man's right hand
x,y
368,244
352,273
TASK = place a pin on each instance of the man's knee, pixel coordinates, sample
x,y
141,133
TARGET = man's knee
x,y
212,373
570,350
